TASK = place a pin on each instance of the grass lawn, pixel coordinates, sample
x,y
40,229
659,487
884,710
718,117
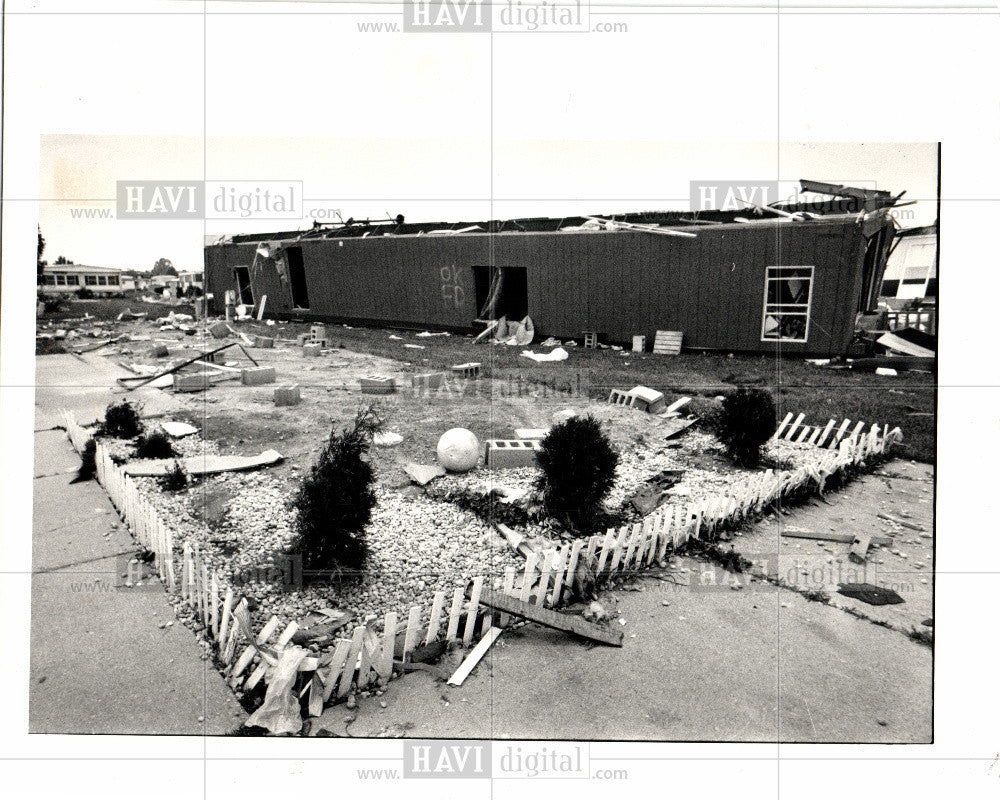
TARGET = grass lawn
x,y
108,308
821,393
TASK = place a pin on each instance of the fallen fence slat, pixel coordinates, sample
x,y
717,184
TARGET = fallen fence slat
x,y
474,657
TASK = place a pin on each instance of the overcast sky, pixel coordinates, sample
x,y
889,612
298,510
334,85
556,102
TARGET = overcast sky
x,y
427,179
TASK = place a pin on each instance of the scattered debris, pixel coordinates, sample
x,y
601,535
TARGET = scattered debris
x,y
204,465
178,429
655,491
386,439
423,474
559,354
871,594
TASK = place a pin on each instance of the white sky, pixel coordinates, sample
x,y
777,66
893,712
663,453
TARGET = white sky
x,y
428,179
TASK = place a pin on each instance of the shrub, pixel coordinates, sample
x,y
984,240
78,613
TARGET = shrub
x,y
88,462
83,293
745,422
121,421
336,499
175,478
578,470
155,445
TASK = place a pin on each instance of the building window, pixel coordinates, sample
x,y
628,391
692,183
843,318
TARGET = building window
x,y
90,280
112,280
48,280
787,302
60,280
102,280
72,280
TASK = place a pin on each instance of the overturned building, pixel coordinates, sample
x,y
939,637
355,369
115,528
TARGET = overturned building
x,y
791,278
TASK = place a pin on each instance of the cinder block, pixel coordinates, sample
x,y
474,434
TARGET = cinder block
x,y
191,382
160,351
531,433
469,370
220,330
312,350
428,380
303,339
561,416
590,339
256,376
264,342
317,333
510,453
638,344
287,395
376,384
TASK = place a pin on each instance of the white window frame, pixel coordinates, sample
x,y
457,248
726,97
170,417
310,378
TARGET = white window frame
x,y
770,274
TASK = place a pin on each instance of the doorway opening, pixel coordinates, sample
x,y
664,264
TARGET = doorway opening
x,y
501,292
297,277
244,292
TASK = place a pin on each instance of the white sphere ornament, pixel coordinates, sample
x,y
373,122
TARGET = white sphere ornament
x,y
458,450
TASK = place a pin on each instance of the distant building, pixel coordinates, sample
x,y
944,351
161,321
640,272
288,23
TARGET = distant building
x,y
183,279
911,271
73,277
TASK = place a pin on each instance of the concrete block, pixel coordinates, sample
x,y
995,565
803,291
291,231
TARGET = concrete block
x,y
256,376
531,433
287,395
510,453
428,381
638,344
220,330
159,351
312,350
469,370
303,339
317,333
264,342
376,384
191,382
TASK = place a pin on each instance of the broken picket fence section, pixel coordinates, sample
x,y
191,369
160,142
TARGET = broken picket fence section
x,y
373,657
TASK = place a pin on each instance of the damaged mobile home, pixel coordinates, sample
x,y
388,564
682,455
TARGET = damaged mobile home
x,y
788,277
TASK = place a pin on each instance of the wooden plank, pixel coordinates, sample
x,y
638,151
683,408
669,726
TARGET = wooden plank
x,y
508,588
470,617
840,433
783,425
214,603
844,538
815,435
368,654
286,635
474,657
609,537
551,619
412,631
793,426
560,573
826,432
529,576
543,581
803,433
384,663
337,664
347,676
902,522
435,622
456,612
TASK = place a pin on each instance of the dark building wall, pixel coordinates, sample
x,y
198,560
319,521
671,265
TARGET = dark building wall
x,y
618,284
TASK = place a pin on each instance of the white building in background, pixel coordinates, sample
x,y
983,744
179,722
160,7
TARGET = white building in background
x,y
183,279
73,277
911,271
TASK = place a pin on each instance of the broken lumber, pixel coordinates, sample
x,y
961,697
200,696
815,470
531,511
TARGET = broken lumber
x,y
549,618
471,660
517,541
845,538
859,548
901,522
202,465
143,381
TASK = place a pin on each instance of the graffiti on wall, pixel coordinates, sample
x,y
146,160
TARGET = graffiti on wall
x,y
452,294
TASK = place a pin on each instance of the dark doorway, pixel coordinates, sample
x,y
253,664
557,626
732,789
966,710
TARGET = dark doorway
x,y
297,277
244,293
501,292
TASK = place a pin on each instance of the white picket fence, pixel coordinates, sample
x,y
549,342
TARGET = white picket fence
x,y
830,435
370,656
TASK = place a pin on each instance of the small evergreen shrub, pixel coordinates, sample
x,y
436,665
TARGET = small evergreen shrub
x,y
175,479
88,462
745,422
578,470
336,499
154,445
121,421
